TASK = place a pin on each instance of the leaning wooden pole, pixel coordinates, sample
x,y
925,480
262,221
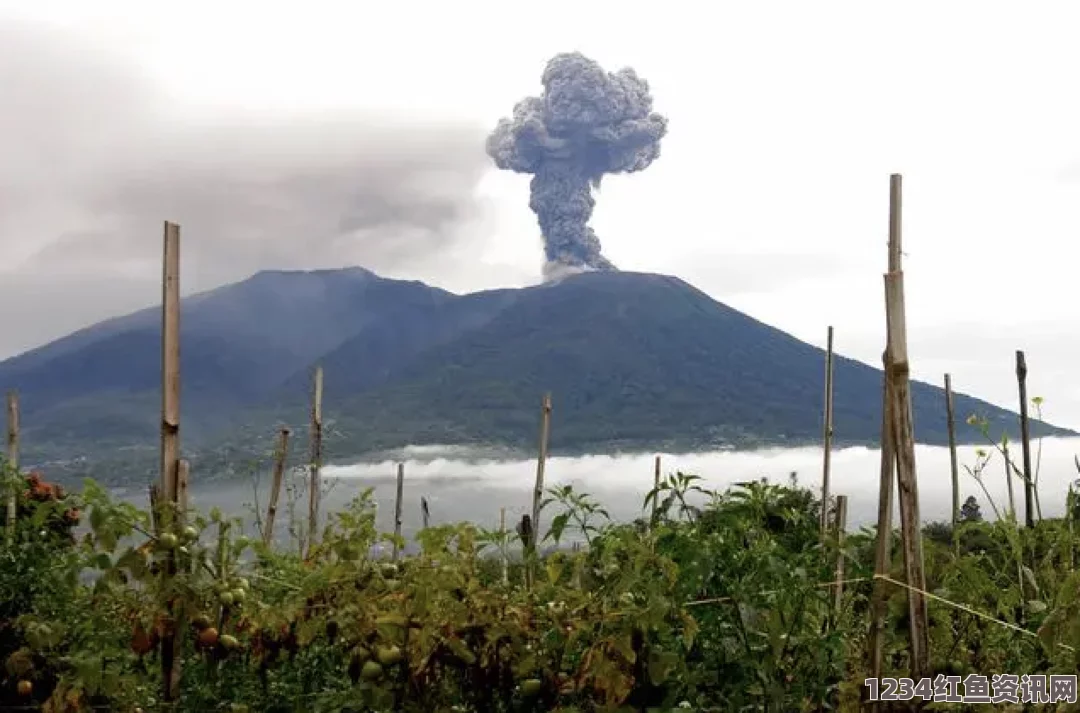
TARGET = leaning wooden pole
x,y
904,440
1025,440
883,546
954,468
281,457
13,463
827,420
170,437
538,488
315,484
397,509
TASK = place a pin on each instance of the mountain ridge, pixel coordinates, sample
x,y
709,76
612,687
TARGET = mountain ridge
x,y
634,360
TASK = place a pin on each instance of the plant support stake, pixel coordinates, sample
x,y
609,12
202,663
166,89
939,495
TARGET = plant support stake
x,y
316,459
950,414
1025,440
170,439
281,455
827,436
904,441
12,463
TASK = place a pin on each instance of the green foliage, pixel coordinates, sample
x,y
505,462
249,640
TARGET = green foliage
x,y
712,600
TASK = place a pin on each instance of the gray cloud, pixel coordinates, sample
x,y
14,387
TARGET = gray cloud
x,y
93,162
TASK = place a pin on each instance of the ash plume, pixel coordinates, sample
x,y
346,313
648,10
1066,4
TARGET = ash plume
x,y
586,123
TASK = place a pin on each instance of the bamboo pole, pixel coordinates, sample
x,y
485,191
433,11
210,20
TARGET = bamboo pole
x,y
315,492
13,463
541,464
531,526
425,512
1070,506
656,490
827,436
1025,440
950,415
1009,481
904,439
883,548
170,438
839,526
502,538
281,456
397,508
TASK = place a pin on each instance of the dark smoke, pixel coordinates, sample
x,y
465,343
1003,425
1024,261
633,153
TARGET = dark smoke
x,y
587,122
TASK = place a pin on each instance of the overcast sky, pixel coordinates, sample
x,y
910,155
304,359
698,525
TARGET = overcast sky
x,y
330,134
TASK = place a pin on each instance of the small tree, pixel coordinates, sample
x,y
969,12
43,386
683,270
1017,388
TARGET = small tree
x,y
969,511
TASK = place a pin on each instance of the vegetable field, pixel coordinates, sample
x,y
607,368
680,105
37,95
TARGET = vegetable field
x,y
712,601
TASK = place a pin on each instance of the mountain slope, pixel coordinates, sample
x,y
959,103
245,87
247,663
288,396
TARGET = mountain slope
x,y
238,342
634,361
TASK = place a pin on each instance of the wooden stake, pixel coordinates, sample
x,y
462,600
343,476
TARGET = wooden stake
x,y
1025,441
281,456
170,438
502,538
839,526
1070,505
656,490
315,494
883,550
397,508
425,512
13,463
1009,482
531,526
541,463
827,437
904,439
950,415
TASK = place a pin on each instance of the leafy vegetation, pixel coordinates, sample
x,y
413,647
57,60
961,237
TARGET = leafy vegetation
x,y
709,601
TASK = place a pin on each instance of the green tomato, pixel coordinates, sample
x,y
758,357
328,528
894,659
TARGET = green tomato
x,y
226,598
239,595
371,671
168,540
190,533
243,584
388,655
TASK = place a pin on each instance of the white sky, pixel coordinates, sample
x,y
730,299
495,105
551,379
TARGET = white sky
x,y
771,192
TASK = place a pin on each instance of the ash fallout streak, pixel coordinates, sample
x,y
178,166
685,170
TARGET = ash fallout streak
x,y
586,123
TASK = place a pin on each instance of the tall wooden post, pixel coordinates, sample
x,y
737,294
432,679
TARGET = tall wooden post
x,y
315,486
827,437
170,436
1025,441
13,463
281,457
883,546
397,508
954,468
904,440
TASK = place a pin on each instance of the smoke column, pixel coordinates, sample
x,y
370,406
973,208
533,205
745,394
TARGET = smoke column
x,y
586,123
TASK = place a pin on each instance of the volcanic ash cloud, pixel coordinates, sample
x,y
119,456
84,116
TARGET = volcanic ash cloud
x,y
586,123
